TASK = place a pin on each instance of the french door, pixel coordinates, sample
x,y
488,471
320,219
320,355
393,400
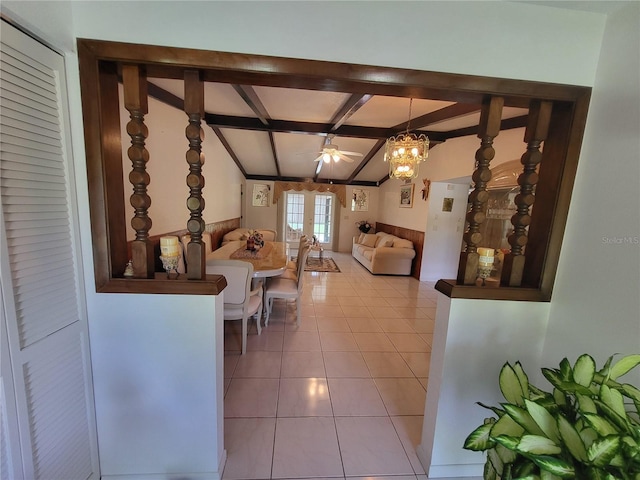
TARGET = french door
x,y
310,213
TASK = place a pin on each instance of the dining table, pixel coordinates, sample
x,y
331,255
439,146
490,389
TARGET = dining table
x,y
269,261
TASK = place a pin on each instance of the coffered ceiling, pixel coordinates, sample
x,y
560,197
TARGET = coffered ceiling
x,y
275,133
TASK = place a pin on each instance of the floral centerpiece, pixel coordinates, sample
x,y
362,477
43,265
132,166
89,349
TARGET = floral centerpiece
x,y
364,226
255,241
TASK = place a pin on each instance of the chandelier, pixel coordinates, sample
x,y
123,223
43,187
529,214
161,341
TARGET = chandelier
x,y
405,152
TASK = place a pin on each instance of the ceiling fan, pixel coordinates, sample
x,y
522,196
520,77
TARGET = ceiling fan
x,y
330,151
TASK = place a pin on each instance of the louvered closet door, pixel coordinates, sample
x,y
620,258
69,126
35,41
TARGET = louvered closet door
x,y
48,381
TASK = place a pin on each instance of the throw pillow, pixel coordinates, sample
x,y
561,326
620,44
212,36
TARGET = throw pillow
x,y
402,243
385,242
370,240
361,238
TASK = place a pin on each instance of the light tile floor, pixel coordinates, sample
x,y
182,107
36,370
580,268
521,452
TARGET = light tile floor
x,y
340,396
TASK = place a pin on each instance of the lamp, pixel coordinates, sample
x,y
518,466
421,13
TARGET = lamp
x,y
405,152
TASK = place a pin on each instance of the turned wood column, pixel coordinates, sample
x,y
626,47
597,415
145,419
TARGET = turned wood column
x,y
489,128
535,134
134,81
194,108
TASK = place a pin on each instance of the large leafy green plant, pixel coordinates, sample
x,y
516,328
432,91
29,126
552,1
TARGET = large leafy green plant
x,y
587,428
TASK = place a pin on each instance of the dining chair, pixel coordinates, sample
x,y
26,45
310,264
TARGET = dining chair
x,y
240,300
293,264
287,288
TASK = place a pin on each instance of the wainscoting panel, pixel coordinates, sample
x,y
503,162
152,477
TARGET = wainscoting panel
x,y
415,236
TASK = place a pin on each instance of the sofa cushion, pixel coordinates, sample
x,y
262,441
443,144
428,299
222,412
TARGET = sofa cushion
x,y
370,240
386,241
368,254
361,238
236,234
361,249
402,243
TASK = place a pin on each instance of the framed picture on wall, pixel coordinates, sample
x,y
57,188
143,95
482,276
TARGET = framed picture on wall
x,y
260,196
447,204
360,200
406,196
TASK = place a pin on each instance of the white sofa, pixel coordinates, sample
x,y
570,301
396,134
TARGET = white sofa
x,y
243,233
383,253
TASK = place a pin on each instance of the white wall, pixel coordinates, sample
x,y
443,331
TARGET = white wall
x,y
167,146
596,299
443,238
348,219
259,217
472,340
485,38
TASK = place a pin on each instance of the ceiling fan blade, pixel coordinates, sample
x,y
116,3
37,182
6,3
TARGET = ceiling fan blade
x,y
357,154
318,159
319,167
345,158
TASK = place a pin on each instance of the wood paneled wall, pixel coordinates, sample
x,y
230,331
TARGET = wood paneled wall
x,y
415,236
217,230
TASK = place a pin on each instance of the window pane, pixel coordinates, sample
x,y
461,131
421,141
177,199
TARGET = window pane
x,y
322,221
295,216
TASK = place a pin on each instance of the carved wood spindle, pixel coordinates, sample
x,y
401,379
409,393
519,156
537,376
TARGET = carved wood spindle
x,y
194,108
134,81
488,129
535,134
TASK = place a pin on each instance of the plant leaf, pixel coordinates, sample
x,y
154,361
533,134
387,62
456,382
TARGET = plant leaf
x,y
588,436
489,470
565,370
510,385
498,411
546,475
506,455
632,392
586,404
613,399
583,370
556,466
537,445
552,376
544,420
522,418
602,451
506,426
621,423
507,441
559,397
571,439
623,365
522,378
479,440
600,424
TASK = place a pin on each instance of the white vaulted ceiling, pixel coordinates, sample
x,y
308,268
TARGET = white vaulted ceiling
x,y
276,133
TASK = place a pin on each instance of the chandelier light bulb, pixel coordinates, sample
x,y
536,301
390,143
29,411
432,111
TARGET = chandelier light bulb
x,y
336,157
326,157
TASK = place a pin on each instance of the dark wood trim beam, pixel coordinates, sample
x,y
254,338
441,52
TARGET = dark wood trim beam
x,y
351,106
507,124
367,158
308,128
250,97
274,153
303,179
447,113
229,150
164,96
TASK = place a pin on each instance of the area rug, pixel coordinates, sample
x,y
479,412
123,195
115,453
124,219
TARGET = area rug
x,y
327,264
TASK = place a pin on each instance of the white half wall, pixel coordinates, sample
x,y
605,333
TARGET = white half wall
x,y
158,380
472,340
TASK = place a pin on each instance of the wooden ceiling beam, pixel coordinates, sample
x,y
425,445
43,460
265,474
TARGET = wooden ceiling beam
x,y
507,124
351,106
367,158
229,150
250,97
